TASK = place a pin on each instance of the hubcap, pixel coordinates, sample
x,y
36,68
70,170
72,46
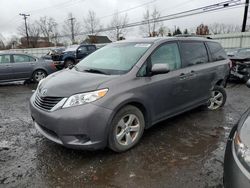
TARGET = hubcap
x,y
127,129
216,100
39,76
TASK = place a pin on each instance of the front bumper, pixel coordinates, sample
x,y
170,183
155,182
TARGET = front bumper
x,y
80,127
235,175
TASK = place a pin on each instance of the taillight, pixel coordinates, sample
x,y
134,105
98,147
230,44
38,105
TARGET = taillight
x,y
53,66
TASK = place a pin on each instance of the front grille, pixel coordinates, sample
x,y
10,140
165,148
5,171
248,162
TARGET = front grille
x,y
57,57
46,103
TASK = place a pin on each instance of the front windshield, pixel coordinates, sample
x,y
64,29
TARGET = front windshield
x,y
117,58
71,48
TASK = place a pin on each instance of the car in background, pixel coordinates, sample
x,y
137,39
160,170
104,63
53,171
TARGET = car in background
x,y
111,96
240,69
17,66
72,55
231,51
53,52
237,154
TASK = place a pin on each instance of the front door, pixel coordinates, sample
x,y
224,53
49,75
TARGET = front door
x,y
82,52
166,92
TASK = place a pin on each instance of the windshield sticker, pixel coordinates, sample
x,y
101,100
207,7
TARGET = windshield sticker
x,y
143,45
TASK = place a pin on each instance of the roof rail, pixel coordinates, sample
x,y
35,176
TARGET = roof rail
x,y
193,35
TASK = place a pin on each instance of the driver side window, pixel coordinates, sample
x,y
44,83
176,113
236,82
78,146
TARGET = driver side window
x,y
169,54
82,49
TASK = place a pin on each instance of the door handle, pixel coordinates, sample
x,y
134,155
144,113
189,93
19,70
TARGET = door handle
x,y
8,65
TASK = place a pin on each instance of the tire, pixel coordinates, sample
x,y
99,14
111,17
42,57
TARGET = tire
x,y
218,98
124,133
38,75
68,63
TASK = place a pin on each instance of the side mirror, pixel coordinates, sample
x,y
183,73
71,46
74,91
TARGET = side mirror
x,y
160,68
248,83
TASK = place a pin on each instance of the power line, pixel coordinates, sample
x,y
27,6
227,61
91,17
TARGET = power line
x,y
129,9
205,9
35,11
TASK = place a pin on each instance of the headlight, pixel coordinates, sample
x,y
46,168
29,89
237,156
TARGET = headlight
x,y
242,151
84,98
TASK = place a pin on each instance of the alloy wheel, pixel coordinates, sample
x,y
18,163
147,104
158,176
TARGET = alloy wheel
x,y
216,100
127,129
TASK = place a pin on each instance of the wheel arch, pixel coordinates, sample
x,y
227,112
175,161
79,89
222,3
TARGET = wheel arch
x,y
69,58
219,82
137,104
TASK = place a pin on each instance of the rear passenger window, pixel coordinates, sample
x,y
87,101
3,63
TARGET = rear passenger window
x,y
217,52
169,54
193,53
22,58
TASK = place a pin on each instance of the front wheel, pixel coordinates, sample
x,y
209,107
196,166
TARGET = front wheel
x,y
38,75
127,128
68,63
218,98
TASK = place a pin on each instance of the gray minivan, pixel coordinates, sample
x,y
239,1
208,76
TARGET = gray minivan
x,y
111,96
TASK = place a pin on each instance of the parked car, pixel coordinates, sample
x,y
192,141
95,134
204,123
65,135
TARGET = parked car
x,y
53,52
237,154
72,55
111,96
17,66
232,52
240,69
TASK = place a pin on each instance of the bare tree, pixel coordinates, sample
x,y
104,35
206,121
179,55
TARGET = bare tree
x,y
219,28
12,42
48,28
163,31
92,23
152,25
118,24
34,34
71,28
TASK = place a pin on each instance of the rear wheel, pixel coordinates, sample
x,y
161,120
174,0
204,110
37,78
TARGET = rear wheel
x,y
127,128
218,98
38,75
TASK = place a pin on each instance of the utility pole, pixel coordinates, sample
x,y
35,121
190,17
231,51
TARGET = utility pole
x,y
245,17
26,28
72,29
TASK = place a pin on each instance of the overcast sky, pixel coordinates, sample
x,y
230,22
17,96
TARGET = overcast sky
x,y
59,9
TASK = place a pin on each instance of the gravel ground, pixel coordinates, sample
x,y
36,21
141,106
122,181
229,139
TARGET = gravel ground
x,y
185,151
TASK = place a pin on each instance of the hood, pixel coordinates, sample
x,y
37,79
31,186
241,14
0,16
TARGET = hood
x,y
68,82
245,130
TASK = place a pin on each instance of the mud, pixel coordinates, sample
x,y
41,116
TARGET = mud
x,y
185,151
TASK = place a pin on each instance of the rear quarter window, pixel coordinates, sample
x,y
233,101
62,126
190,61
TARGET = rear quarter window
x,y
216,51
193,53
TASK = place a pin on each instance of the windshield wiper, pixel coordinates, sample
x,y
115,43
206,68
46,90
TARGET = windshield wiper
x,y
95,71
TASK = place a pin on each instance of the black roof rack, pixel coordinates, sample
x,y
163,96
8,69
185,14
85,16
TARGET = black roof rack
x,y
193,35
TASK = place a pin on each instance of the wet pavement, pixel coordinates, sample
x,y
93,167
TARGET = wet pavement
x,y
185,151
